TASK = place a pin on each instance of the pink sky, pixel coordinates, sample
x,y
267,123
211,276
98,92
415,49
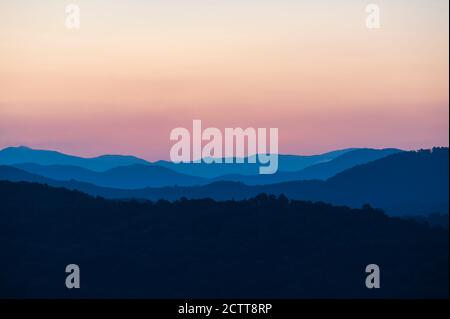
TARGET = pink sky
x,y
137,69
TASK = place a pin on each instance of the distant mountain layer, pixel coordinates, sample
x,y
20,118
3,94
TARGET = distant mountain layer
x,y
22,154
126,177
403,183
150,175
188,248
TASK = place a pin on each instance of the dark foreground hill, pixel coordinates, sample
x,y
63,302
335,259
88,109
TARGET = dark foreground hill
x,y
265,246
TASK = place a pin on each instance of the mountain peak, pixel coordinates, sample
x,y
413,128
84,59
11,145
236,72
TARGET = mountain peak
x,y
20,147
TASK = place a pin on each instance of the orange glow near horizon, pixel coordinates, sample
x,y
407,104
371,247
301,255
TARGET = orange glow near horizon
x,y
137,69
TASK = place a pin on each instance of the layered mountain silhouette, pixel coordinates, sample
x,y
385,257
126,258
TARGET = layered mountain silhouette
x,y
263,247
307,238
13,174
22,154
286,163
126,177
169,174
319,171
404,183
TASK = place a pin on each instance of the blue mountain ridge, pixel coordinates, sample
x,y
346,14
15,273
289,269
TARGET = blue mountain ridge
x,y
125,177
150,175
405,183
320,171
22,154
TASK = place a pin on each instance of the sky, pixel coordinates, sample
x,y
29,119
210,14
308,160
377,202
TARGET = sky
x,y
137,69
